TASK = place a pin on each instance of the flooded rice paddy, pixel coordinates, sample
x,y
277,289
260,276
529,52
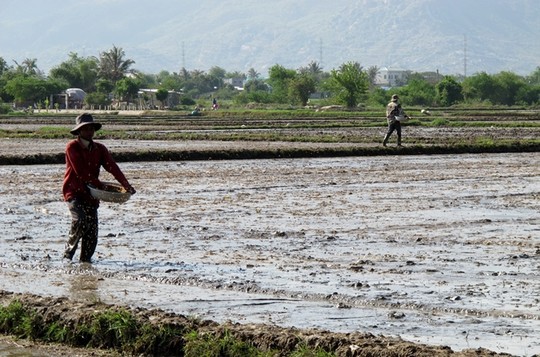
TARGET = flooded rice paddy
x,y
442,250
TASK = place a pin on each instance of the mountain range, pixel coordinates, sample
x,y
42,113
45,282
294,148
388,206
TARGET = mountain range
x,y
451,36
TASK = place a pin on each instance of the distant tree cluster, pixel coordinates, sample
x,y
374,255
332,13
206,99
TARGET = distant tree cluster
x,y
110,77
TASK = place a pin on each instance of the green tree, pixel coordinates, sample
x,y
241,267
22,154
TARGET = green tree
x,y
3,66
372,75
528,95
349,84
300,88
97,99
378,97
509,85
112,64
255,91
216,75
5,73
252,74
449,91
254,85
534,78
27,90
279,78
170,81
127,88
217,72
236,74
104,86
162,94
480,87
418,91
501,88
313,69
27,67
148,80
199,82
78,72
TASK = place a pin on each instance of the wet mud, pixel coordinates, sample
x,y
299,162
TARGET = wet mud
x,y
438,250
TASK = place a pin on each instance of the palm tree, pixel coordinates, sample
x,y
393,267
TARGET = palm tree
x,y
184,73
313,69
28,66
253,74
113,66
3,66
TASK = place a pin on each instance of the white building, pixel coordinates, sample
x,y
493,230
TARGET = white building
x,y
391,77
236,82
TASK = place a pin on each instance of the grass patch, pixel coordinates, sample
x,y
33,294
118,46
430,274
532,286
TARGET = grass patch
x,y
210,345
120,330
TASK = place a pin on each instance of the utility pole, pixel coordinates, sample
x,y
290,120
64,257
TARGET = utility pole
x,y
320,52
183,56
465,56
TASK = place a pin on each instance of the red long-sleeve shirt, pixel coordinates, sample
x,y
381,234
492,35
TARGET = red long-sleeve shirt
x,y
82,168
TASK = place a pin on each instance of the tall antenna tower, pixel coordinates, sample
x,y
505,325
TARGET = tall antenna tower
x,y
183,56
320,52
465,56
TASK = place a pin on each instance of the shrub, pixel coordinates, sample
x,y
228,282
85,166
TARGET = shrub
x,y
5,108
187,101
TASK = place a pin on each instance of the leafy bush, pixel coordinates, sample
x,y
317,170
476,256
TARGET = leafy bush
x,y
5,108
97,99
187,101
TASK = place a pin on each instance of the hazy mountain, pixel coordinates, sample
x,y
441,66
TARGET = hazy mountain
x,y
420,35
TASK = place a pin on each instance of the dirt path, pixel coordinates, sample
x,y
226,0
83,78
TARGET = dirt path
x,y
442,250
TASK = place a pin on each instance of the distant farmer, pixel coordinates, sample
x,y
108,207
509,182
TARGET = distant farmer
x,y
196,112
394,116
215,105
84,158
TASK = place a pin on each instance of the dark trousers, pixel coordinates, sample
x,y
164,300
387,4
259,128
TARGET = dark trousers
x,y
394,125
84,228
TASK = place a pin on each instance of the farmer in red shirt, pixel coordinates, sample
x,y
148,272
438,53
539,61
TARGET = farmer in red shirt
x,y
84,158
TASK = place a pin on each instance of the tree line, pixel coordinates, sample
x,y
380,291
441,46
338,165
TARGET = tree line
x,y
111,77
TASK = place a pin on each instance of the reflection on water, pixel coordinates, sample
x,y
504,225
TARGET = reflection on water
x,y
83,285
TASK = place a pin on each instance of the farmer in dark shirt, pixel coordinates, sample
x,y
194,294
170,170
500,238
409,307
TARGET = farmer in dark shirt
x,y
394,116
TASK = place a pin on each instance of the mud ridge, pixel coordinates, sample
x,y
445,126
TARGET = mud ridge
x,y
290,153
263,337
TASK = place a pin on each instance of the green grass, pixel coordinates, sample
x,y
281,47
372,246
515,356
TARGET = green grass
x,y
20,321
210,345
121,331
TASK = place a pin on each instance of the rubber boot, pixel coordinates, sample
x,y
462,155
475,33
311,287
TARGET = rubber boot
x,y
399,141
385,140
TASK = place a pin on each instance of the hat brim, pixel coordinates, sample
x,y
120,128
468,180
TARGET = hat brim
x,y
75,130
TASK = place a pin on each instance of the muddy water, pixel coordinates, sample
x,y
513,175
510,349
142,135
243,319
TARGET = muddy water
x,y
436,249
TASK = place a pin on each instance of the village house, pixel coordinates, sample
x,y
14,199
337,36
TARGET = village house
x,y
236,82
391,77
